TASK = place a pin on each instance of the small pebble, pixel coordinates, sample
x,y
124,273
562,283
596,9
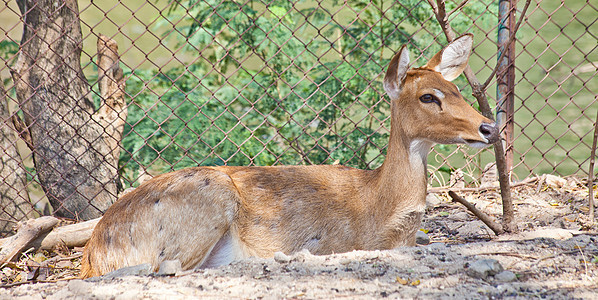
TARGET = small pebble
x,y
483,268
432,201
422,238
170,267
506,289
505,276
281,258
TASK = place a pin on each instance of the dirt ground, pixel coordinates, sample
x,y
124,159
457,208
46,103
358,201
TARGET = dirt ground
x,y
551,257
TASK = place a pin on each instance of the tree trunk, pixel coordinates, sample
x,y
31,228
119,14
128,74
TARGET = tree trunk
x,y
74,158
14,198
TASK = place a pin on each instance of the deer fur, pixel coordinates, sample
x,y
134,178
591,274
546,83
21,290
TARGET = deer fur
x,y
210,216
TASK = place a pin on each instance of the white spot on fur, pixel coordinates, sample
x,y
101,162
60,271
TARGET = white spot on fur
x,y
418,153
439,94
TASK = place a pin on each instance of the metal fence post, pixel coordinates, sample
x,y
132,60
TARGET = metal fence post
x,y
505,76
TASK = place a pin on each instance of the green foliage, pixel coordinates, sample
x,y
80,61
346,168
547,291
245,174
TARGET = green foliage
x,y
8,49
272,84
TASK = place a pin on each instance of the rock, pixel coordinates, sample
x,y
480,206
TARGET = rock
x,y
138,270
505,276
472,229
281,258
421,238
170,267
432,201
437,247
483,268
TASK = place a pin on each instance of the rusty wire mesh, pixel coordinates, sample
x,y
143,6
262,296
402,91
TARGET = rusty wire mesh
x,y
275,82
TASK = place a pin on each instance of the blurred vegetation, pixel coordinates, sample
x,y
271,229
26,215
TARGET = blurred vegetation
x,y
279,83
556,92
272,83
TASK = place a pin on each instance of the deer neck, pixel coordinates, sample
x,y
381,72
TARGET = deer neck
x,y
402,178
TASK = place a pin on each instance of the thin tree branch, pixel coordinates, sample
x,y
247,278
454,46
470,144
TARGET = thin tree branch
x,y
28,231
511,38
498,230
591,172
439,9
434,7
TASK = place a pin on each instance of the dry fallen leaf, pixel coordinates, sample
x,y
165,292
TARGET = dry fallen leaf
x,y
401,280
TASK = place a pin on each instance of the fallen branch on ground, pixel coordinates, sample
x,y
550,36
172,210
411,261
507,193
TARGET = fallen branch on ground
x,y
27,232
36,233
497,228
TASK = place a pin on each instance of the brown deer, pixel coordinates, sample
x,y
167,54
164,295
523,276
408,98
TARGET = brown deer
x,y
210,216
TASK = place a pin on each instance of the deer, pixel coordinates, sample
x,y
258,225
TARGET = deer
x,y
210,216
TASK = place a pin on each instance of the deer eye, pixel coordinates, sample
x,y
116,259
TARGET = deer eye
x,y
429,98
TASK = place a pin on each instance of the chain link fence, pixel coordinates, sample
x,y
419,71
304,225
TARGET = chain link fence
x,y
215,82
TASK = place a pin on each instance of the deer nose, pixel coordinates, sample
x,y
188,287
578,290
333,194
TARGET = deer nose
x,y
489,131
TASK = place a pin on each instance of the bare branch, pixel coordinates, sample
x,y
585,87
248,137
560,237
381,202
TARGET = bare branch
x,y
440,13
15,203
434,6
27,232
73,235
591,172
511,38
482,216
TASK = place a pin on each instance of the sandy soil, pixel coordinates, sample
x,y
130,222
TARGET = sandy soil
x,y
549,258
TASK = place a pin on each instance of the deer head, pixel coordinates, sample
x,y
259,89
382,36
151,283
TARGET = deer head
x,y
428,107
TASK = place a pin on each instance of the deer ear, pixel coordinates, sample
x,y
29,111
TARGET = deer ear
x,y
452,60
397,70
